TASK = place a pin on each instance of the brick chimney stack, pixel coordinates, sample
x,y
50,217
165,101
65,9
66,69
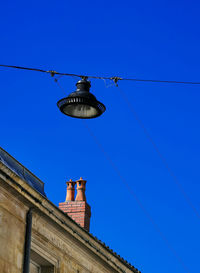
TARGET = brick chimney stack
x,y
78,210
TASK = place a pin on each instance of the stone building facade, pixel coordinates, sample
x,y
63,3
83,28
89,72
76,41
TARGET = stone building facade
x,y
38,237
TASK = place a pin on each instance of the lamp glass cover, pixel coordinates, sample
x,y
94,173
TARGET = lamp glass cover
x,y
80,110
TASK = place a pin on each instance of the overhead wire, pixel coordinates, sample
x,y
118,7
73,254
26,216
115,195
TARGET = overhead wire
x,y
115,78
157,150
138,201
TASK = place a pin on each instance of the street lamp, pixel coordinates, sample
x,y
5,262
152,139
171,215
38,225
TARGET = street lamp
x,y
81,103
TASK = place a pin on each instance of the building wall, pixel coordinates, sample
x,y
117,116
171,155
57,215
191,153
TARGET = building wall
x,y
12,232
51,247
62,250
58,244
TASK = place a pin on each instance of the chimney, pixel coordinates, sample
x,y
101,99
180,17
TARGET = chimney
x,y
80,186
78,210
70,190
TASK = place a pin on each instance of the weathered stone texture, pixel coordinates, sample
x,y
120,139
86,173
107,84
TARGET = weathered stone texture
x,y
72,256
12,230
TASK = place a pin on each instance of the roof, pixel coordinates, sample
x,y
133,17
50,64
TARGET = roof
x,y
21,171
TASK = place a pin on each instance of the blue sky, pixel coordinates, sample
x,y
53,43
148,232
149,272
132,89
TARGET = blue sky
x,y
140,39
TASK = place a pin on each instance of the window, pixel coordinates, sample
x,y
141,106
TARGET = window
x,y
42,259
34,268
40,265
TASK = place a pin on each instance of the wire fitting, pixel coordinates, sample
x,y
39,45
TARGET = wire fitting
x,y
84,78
52,72
116,79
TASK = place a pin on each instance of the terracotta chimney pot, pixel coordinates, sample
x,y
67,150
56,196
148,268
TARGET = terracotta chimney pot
x,y
80,186
70,190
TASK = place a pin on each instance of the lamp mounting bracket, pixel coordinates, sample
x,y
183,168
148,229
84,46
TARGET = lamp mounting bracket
x,y
84,78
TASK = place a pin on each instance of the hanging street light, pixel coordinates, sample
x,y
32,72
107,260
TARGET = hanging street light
x,y
81,103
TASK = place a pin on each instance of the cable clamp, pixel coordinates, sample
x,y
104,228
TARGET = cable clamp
x,y
116,79
52,72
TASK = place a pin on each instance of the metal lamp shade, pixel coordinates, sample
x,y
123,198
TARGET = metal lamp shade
x,y
81,103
